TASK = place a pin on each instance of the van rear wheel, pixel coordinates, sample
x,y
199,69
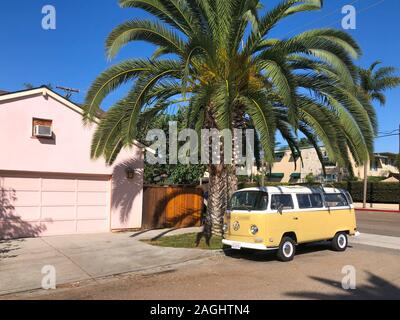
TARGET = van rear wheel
x,y
340,242
287,249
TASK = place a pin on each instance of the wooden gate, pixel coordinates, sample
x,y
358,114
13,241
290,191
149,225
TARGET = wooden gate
x,y
171,207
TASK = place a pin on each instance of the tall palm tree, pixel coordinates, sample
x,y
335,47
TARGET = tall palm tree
x,y
372,84
375,81
219,55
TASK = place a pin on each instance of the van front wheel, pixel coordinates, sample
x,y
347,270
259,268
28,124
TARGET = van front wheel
x,y
287,249
340,242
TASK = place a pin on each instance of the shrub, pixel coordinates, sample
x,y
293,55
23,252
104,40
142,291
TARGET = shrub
x,y
310,178
376,179
378,192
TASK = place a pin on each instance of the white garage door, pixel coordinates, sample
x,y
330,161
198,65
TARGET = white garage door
x,y
33,205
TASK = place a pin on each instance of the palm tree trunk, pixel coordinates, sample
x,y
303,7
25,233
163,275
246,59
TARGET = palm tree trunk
x,y
217,199
232,180
223,182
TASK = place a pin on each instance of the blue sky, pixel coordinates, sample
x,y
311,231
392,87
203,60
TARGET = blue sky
x,y
73,54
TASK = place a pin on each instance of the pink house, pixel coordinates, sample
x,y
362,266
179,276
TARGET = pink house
x,y
49,185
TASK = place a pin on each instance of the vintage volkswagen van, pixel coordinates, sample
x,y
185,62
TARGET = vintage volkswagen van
x,y
279,218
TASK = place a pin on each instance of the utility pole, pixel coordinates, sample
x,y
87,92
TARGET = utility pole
x,y
366,164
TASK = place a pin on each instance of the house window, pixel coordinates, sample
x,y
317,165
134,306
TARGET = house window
x,y
42,128
279,156
374,165
331,178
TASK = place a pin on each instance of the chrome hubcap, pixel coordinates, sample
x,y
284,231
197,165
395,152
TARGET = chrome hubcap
x,y
342,241
287,249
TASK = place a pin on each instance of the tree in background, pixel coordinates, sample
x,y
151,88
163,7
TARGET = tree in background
x,y
374,81
310,178
372,84
170,173
28,85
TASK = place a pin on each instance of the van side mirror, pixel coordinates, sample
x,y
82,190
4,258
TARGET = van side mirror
x,y
280,209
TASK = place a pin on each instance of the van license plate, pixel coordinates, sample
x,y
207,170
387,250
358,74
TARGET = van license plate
x,y
236,246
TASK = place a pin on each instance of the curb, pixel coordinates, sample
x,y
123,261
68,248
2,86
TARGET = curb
x,y
377,210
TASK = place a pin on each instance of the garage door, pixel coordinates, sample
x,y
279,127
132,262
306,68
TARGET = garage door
x,y
33,205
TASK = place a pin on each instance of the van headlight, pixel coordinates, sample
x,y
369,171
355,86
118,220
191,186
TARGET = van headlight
x,y
254,230
225,227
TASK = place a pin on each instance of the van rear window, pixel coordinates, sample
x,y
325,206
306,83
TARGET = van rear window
x,y
249,200
348,196
309,201
336,200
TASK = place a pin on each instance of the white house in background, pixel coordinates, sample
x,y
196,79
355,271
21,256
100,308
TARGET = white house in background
x,y
287,169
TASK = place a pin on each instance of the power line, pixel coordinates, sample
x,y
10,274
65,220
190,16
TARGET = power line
x,y
389,132
333,12
360,11
388,135
372,5
319,19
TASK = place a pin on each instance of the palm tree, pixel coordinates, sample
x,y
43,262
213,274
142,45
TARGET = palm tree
x,y
232,78
372,84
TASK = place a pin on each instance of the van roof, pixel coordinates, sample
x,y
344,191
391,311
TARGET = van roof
x,y
293,189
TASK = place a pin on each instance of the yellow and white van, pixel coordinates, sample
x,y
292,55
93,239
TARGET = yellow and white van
x,y
279,218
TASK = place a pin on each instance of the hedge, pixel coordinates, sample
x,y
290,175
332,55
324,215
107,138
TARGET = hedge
x,y
378,192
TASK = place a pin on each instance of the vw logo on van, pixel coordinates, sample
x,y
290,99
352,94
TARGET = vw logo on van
x,y
236,226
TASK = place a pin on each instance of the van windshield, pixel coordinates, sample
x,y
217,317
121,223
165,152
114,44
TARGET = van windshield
x,y
249,200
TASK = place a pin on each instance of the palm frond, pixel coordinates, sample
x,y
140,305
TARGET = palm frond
x,y
144,30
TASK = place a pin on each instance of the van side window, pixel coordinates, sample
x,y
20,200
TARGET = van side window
x,y
309,201
262,202
282,199
336,200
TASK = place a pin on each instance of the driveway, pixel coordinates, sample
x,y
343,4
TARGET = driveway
x,y
85,257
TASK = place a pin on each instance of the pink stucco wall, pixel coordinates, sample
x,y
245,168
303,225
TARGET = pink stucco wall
x,y
68,153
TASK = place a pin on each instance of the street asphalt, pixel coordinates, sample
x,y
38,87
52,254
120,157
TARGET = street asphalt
x,y
382,223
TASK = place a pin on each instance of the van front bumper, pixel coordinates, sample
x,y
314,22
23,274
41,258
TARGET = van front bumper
x,y
246,245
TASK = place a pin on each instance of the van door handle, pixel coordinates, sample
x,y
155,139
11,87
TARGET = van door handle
x,y
295,218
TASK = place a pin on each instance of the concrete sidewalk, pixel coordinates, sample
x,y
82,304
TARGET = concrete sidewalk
x,y
378,206
84,257
377,241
